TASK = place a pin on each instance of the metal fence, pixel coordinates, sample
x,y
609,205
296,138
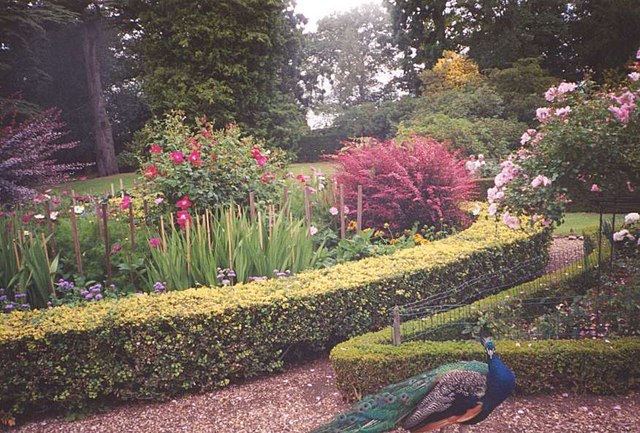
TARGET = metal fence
x,y
435,317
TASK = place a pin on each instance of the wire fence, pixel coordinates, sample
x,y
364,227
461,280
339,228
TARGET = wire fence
x,y
437,318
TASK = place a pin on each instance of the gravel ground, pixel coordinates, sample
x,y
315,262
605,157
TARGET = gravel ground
x,y
304,396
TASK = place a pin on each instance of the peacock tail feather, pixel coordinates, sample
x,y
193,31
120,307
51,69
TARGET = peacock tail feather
x,y
383,411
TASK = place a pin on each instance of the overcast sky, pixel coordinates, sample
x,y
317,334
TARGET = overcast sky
x,y
316,9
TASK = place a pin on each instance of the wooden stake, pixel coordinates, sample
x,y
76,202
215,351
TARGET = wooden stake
x,y
163,234
307,210
107,243
359,214
46,254
285,199
113,190
252,205
15,252
121,187
73,197
76,241
343,227
145,206
132,227
228,215
188,230
260,233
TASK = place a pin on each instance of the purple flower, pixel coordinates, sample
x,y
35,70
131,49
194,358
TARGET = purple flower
x,y
20,295
98,297
3,298
159,287
154,242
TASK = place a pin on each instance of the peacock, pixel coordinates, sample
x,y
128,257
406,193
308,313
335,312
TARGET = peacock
x,y
463,393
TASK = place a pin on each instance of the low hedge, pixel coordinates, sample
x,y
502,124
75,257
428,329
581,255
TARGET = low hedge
x,y
156,346
368,362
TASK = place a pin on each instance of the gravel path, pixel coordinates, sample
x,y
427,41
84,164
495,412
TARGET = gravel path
x,y
304,396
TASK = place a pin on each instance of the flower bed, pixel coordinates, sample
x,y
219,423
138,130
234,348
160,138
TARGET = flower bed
x,y
157,346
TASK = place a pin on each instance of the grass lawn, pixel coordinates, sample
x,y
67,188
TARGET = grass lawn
x,y
103,184
98,185
574,223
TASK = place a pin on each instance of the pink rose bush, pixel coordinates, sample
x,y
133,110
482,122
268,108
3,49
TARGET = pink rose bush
x,y
587,140
207,166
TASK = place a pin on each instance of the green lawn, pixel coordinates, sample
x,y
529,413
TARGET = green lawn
x,y
98,185
103,184
574,223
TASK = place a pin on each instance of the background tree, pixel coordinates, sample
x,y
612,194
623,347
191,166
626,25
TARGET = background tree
x,y
420,33
229,60
349,57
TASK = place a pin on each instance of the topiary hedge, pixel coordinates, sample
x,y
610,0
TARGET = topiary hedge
x,y
368,362
156,346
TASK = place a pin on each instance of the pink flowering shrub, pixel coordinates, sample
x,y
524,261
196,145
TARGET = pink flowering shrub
x,y
208,166
587,142
27,154
419,181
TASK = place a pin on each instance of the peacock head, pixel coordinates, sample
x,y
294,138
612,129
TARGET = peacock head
x,y
489,347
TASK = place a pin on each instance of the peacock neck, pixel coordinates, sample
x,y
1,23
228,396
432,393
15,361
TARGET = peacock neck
x,y
500,381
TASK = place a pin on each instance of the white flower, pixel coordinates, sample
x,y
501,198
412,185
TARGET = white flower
x,y
631,218
476,211
39,216
634,76
333,211
313,230
619,236
53,215
493,209
78,209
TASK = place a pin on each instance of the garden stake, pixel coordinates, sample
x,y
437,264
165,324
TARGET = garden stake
x,y
343,228
121,188
188,230
163,235
208,228
359,215
46,254
97,209
15,252
47,209
73,197
228,217
260,234
145,206
107,247
132,226
76,241
252,205
307,210
113,190
285,199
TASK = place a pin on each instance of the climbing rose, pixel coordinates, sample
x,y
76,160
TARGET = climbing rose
x,y
184,203
155,149
151,172
177,157
183,218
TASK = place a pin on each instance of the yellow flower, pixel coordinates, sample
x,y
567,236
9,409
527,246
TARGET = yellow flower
x,y
378,234
386,225
367,230
352,225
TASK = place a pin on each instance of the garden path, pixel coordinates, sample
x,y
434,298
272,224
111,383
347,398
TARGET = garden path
x,y
305,396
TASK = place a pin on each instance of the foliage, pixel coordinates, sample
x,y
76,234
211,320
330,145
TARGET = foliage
x,y
451,71
258,249
378,120
493,138
348,52
365,365
414,182
27,155
586,141
210,167
157,346
474,101
232,63
521,86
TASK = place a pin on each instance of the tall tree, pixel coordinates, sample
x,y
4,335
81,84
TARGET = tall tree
x,y
420,32
347,55
227,59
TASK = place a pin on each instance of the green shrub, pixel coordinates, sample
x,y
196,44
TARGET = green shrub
x,y
157,346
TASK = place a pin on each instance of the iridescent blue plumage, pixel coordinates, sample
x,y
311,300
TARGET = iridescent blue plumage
x,y
462,392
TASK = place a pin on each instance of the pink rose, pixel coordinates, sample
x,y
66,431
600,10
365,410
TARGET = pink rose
x,y
177,157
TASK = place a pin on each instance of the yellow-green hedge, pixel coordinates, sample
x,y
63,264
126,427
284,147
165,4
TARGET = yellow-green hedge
x,y
157,346
368,362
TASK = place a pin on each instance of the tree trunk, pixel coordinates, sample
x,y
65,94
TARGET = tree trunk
x,y
104,148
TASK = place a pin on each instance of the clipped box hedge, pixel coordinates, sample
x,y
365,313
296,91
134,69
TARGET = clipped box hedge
x,y
368,362
157,346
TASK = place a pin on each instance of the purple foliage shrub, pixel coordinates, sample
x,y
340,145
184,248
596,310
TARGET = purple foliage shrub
x,y
27,154
420,181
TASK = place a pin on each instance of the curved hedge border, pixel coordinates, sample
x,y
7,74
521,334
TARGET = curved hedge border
x,y
368,362
157,346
